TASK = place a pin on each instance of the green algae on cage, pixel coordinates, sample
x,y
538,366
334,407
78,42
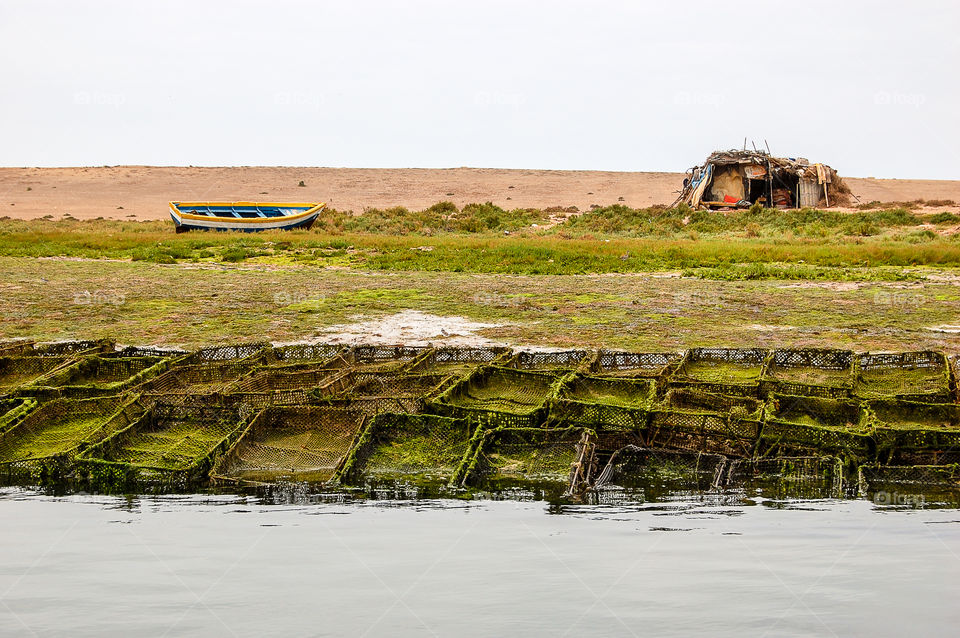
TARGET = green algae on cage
x,y
409,447
15,410
497,396
908,376
273,386
170,438
809,372
904,426
634,364
552,360
722,370
458,360
302,443
838,426
62,428
203,378
97,375
530,454
604,403
17,372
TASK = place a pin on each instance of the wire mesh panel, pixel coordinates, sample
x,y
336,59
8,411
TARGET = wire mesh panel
x,y
702,431
148,351
690,418
809,372
73,348
423,448
635,364
637,466
16,347
303,443
372,406
15,410
604,403
814,424
733,371
196,379
552,360
60,428
304,353
272,386
373,358
228,352
909,432
171,438
533,455
499,396
16,372
366,384
97,375
458,360
908,376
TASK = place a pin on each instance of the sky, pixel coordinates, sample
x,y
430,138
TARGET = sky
x,y
870,88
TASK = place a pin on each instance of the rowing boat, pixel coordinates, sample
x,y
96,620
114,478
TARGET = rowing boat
x,y
243,216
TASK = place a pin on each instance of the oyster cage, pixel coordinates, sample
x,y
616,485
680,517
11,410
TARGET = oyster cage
x,y
409,447
291,443
474,416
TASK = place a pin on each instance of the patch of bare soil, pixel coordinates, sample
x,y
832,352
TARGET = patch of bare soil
x,y
410,327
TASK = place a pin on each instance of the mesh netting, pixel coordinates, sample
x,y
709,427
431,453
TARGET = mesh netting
x,y
705,432
365,384
16,372
100,375
62,426
604,403
694,399
633,464
172,437
812,424
272,386
71,348
149,351
14,410
499,396
196,379
531,454
921,432
458,360
409,446
16,347
734,371
908,376
810,372
228,352
302,443
634,364
383,358
559,360
304,353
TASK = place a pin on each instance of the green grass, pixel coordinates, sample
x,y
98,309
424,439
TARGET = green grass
x,y
736,245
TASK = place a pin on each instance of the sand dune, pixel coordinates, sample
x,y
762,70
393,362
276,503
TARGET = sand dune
x,y
142,192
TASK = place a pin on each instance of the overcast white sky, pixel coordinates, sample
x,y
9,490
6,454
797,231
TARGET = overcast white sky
x,y
869,87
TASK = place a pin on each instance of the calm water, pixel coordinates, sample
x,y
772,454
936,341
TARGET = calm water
x,y
247,566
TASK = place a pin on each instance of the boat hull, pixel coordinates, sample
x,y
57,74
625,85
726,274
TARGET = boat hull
x,y
297,216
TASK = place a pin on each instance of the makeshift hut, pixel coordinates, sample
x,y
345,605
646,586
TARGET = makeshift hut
x,y
738,179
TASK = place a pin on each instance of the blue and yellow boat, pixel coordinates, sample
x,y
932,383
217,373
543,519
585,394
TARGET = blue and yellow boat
x,y
243,216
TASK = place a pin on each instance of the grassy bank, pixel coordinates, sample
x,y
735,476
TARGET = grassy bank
x,y
738,245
